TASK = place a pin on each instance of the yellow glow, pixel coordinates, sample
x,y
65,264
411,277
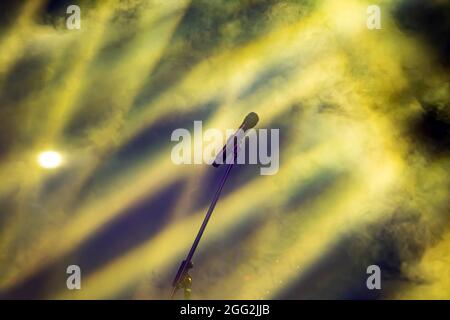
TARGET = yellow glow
x,y
50,159
341,92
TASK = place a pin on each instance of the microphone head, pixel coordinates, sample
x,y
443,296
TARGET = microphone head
x,y
250,121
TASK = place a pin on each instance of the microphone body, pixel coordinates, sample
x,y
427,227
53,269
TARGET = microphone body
x,y
231,148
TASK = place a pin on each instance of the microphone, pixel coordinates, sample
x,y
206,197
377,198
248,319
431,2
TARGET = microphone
x,y
250,121
182,278
232,144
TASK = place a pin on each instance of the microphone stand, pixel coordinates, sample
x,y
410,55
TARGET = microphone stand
x,y
183,279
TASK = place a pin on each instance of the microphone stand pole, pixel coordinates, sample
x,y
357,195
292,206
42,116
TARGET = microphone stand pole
x,y
183,279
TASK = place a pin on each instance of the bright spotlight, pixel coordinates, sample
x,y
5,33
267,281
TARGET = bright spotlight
x,y
50,159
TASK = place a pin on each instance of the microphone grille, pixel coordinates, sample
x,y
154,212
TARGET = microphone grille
x,y
251,120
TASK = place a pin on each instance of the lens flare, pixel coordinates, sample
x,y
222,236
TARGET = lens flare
x,y
50,159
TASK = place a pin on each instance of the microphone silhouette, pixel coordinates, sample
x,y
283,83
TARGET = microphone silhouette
x,y
182,278
231,147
